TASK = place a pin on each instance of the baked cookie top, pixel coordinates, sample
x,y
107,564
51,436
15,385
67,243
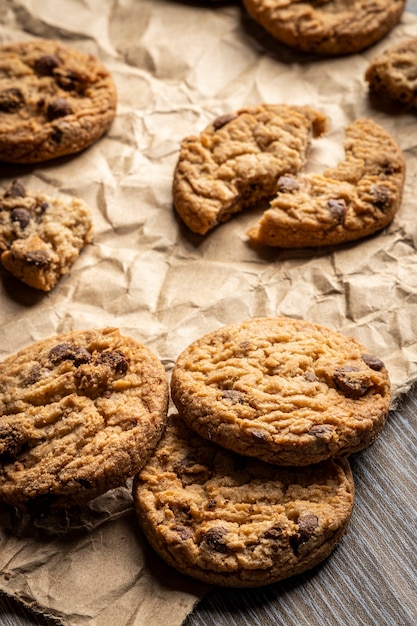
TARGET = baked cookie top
x,y
353,200
81,412
235,521
235,162
327,27
393,73
54,101
286,391
41,236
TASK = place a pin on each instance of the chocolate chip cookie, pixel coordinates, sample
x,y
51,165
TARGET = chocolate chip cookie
x,y
393,73
54,101
327,27
286,391
81,412
353,200
41,236
236,161
235,521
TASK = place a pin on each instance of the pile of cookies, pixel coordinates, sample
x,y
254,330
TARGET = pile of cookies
x,y
247,484
251,481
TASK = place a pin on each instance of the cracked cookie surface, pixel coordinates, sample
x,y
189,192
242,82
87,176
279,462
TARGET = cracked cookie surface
x,y
40,236
286,391
353,200
54,101
81,413
235,162
327,27
235,521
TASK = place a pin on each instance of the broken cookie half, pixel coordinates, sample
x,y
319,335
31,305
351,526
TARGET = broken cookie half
x,y
256,155
236,161
353,200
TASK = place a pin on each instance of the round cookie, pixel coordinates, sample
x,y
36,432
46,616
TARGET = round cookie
x,y
40,236
81,412
235,521
353,200
393,73
331,27
286,391
54,101
235,162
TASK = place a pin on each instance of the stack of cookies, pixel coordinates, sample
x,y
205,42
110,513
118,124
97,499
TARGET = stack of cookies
x,y
251,481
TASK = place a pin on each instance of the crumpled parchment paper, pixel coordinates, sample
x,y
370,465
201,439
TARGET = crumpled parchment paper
x,y
177,65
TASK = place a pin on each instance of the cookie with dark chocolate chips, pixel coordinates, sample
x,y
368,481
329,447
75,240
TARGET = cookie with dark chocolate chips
x,y
80,413
236,521
54,101
355,199
40,236
286,391
327,27
236,161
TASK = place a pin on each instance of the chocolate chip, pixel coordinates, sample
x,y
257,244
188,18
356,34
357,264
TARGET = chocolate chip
x,y
34,374
214,539
337,209
45,65
38,258
16,190
40,210
56,135
11,100
114,359
259,435
222,120
350,381
21,215
184,532
287,184
373,362
233,396
321,430
12,441
381,197
69,80
306,525
273,533
58,108
69,352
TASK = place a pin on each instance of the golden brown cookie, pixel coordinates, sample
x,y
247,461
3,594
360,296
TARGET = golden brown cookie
x,y
54,101
41,236
80,413
236,161
328,27
286,391
393,73
235,521
353,200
